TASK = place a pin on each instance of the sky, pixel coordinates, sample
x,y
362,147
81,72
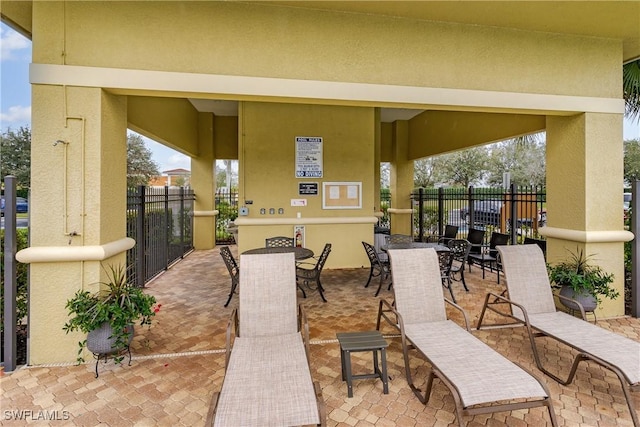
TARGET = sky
x,y
15,98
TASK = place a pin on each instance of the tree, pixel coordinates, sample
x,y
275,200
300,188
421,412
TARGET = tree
x,y
522,157
463,168
424,172
140,166
631,160
15,158
631,89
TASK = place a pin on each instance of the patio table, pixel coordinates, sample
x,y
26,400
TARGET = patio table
x,y
415,245
298,252
372,341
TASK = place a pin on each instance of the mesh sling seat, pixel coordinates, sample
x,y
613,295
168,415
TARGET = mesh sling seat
x,y
532,305
267,378
480,379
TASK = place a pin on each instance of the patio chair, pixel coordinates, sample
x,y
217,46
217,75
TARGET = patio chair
x,y
476,240
234,270
450,233
378,268
460,249
490,255
305,276
532,305
445,259
279,242
539,242
480,379
398,238
267,377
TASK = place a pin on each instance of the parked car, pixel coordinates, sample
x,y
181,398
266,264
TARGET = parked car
x,y
626,204
485,212
22,205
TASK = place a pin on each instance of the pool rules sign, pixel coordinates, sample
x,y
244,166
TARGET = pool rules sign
x,y
308,157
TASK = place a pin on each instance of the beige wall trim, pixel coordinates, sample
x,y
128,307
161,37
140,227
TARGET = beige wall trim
x,y
307,221
378,214
609,236
74,253
126,81
400,211
206,213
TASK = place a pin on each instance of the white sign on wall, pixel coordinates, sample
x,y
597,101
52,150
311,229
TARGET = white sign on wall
x,y
308,157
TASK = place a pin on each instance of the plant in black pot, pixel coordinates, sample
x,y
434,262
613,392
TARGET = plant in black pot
x,y
579,280
109,315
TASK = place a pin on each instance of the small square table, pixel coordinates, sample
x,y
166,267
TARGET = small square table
x,y
363,341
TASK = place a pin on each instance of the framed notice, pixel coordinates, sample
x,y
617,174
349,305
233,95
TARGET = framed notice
x,y
308,157
341,195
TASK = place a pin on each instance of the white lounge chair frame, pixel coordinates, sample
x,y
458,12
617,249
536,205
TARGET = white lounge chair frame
x,y
531,305
480,379
268,378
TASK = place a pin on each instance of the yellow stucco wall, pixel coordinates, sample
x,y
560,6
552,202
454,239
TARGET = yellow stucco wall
x,y
226,137
267,174
322,45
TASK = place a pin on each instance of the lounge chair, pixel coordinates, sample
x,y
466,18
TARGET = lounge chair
x,y
267,380
480,379
531,301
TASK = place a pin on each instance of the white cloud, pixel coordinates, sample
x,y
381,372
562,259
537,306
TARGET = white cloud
x,y
13,45
17,115
177,161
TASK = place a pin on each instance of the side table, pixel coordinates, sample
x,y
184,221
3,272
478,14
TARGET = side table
x,y
363,341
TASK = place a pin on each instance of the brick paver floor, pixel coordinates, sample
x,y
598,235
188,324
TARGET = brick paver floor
x,y
179,362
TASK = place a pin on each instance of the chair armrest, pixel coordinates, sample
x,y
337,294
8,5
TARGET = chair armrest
x,y
508,301
303,328
582,311
464,313
232,324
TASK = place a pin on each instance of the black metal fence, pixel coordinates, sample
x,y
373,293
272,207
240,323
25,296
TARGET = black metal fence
x,y
490,209
160,220
227,207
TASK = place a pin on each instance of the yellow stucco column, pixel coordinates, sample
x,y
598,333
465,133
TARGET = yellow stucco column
x,y
77,207
401,179
584,195
203,183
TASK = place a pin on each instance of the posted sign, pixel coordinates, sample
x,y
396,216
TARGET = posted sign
x,y
308,157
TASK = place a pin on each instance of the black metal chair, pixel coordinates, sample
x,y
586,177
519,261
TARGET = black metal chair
x,y
279,242
490,255
445,259
308,275
450,233
379,268
460,249
234,270
541,243
475,237
398,238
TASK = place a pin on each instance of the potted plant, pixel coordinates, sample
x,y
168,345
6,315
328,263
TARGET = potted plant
x,y
108,315
581,281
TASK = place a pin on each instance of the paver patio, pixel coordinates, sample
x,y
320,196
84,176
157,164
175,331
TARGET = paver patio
x,y
179,362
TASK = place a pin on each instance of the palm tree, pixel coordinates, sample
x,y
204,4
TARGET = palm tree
x,y
631,89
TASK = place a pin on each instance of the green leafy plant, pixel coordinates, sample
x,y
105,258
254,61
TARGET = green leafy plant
x,y
119,303
583,277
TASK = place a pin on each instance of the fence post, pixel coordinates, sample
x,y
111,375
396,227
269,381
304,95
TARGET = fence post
x,y
167,228
420,214
10,286
181,222
441,211
141,238
514,213
635,250
472,215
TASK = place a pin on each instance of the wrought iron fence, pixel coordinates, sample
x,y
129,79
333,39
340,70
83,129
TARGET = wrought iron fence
x,y
160,220
227,207
490,209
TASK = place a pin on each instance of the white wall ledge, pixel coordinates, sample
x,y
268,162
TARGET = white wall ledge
x,y
74,253
400,211
242,221
206,213
599,236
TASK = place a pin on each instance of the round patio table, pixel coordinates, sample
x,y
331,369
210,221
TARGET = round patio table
x,y
414,245
299,253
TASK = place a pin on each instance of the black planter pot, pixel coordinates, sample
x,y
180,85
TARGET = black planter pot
x,y
587,300
100,341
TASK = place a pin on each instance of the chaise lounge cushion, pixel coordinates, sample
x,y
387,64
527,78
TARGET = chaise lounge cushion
x,y
267,375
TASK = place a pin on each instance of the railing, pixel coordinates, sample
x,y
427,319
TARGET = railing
x,y
491,209
160,220
227,207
